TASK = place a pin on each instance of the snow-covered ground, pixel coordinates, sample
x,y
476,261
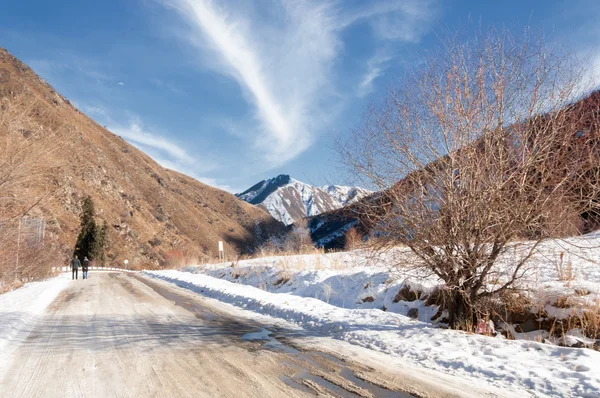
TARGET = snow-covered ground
x,y
567,272
20,310
343,295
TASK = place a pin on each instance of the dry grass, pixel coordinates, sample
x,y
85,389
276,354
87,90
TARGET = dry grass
x,y
564,268
35,263
29,139
276,252
353,239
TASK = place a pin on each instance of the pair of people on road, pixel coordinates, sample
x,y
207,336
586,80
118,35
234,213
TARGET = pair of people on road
x,y
76,264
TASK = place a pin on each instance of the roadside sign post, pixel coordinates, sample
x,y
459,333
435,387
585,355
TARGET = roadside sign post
x,y
221,251
126,262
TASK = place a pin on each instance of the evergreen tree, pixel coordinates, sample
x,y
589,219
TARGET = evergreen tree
x,y
102,243
89,242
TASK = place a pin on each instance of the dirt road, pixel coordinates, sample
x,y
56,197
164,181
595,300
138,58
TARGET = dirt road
x,y
121,335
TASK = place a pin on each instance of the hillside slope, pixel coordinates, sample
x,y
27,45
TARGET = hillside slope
x,y
328,229
289,200
154,214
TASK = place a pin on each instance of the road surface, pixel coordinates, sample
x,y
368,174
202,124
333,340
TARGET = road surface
x,y
123,335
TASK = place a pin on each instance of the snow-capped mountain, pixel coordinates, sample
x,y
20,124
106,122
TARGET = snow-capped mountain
x,y
289,200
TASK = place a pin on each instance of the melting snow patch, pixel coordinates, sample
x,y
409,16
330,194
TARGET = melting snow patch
x,y
520,367
262,335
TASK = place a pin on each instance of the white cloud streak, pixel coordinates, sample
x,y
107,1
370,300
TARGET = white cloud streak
x,y
167,153
279,68
375,68
135,133
405,20
283,60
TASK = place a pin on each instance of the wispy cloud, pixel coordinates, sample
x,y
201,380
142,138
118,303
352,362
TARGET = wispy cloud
x,y
81,67
136,134
375,68
120,84
283,54
167,153
393,23
279,76
161,84
406,20
96,111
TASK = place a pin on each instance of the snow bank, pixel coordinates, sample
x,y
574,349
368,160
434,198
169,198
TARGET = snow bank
x,y
20,311
357,287
517,366
563,271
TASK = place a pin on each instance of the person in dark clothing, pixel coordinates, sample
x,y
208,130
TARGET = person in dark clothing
x,y
85,267
75,264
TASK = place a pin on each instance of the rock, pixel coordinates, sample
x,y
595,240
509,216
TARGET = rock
x,y
413,313
405,294
528,326
577,344
368,299
4,75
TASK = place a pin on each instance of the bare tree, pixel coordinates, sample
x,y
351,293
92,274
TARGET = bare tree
x,y
30,133
298,239
477,148
352,239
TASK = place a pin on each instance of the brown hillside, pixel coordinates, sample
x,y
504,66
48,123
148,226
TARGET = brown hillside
x,y
154,214
329,229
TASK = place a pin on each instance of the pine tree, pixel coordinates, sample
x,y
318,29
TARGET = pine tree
x,y
102,243
88,240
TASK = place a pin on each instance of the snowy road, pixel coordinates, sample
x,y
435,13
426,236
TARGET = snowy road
x,y
121,335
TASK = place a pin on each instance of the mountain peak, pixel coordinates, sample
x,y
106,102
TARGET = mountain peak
x,y
289,200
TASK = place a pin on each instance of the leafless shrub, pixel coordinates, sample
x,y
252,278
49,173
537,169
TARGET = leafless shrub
x,y
29,135
564,268
475,150
293,242
35,262
353,239
298,240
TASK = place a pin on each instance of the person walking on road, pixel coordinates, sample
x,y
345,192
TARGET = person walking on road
x,y
85,267
75,264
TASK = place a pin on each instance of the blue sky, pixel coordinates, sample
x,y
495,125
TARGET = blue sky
x,y
232,92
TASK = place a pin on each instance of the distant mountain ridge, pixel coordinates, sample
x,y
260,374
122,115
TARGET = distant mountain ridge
x,y
289,200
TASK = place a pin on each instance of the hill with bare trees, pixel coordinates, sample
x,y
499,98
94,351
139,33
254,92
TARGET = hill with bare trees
x,y
53,156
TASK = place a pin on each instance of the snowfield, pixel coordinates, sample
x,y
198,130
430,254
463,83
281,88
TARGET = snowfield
x,y
342,295
20,311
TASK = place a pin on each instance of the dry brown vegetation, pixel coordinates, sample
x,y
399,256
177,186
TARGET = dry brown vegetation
x,y
27,160
294,241
152,212
479,147
353,239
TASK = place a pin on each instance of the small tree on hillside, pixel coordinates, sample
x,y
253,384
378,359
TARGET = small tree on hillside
x,y
352,239
298,239
102,244
91,240
476,149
